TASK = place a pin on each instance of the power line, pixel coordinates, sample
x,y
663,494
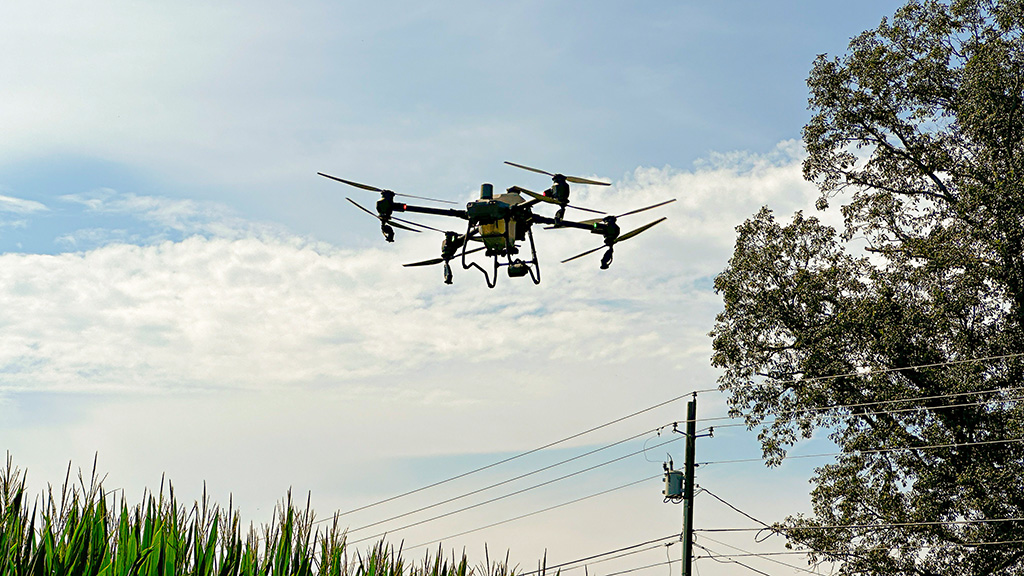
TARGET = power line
x,y
900,369
715,556
520,455
795,567
799,552
878,451
892,411
669,563
527,489
563,504
847,553
507,481
674,537
837,553
623,555
782,529
748,516
716,497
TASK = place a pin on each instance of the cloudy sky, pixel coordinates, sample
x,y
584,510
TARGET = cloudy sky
x,y
182,295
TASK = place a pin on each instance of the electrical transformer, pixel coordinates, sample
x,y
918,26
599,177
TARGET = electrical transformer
x,y
673,486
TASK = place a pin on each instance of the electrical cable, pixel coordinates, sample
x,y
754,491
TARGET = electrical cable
x,y
781,529
520,455
715,556
890,370
846,553
667,555
893,411
748,516
670,562
674,537
506,481
797,553
779,562
877,451
432,542
878,402
477,505
735,509
623,555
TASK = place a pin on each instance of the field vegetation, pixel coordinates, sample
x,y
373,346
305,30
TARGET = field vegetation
x,y
82,530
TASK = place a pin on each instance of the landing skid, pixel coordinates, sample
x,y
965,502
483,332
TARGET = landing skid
x,y
532,266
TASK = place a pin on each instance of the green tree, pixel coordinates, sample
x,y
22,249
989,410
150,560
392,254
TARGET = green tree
x,y
918,132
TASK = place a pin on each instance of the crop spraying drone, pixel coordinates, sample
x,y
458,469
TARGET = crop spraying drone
x,y
500,224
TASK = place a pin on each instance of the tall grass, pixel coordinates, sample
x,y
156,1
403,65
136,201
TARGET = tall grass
x,y
83,531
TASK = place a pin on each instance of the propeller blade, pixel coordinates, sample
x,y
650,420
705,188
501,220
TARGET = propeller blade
x,y
582,255
551,200
540,197
374,214
596,220
625,236
418,224
528,168
425,198
585,209
390,221
629,235
430,262
433,261
351,183
578,180
647,208
375,189
573,179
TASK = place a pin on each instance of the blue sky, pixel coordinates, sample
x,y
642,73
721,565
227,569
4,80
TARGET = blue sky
x,y
183,294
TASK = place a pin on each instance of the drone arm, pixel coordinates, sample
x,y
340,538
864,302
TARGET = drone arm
x,y
434,211
538,219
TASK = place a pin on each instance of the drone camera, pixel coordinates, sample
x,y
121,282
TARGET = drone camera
x,y
518,269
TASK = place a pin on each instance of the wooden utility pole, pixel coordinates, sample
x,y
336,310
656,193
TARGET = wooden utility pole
x,y
691,441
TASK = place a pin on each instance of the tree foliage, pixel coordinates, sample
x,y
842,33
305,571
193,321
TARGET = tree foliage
x,y
918,132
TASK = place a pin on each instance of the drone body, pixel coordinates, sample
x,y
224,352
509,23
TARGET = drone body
x,y
500,223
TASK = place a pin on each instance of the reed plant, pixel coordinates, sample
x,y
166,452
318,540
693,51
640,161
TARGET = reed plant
x,y
81,530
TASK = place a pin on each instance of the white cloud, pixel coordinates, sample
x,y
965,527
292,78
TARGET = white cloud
x,y
20,205
249,306
163,215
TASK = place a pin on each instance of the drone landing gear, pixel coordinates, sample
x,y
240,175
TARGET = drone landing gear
x,y
491,283
518,268
533,252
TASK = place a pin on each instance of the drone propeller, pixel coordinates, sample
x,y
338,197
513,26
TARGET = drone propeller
x,y
621,238
551,200
651,207
392,220
433,261
573,179
381,190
